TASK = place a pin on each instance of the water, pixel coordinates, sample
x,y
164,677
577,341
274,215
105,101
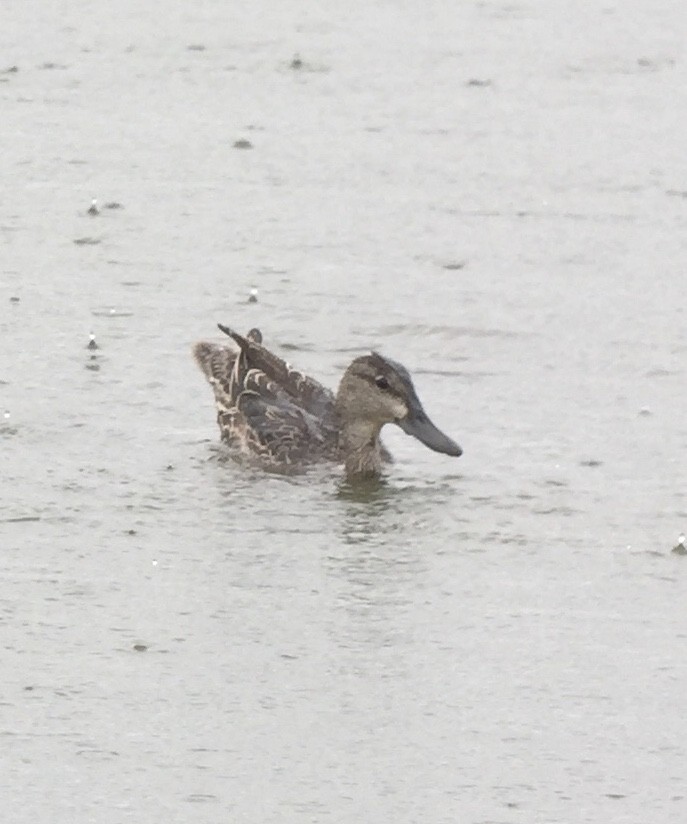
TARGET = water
x,y
493,194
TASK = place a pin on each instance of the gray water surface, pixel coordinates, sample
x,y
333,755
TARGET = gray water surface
x,y
494,194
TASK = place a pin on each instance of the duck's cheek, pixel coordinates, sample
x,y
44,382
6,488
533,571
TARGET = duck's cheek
x,y
399,409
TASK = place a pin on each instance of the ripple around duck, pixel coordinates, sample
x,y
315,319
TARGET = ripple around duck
x,y
298,347
471,375
111,312
443,330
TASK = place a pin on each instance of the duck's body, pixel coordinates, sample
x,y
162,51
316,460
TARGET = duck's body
x,y
288,421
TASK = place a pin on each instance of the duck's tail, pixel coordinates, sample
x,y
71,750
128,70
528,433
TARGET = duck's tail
x,y
216,363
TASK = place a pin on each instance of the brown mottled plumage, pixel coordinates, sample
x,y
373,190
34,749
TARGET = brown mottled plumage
x,y
287,420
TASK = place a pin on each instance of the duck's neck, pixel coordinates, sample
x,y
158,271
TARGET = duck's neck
x,y
361,449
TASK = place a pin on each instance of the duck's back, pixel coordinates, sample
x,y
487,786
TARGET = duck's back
x,y
265,408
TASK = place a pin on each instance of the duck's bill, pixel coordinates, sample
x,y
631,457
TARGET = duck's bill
x,y
417,424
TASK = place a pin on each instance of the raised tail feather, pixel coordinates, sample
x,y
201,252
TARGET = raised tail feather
x,y
215,362
303,390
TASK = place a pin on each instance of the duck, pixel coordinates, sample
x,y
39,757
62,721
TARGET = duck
x,y
286,421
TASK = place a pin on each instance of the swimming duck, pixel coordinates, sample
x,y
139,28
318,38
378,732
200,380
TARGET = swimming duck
x,y
287,420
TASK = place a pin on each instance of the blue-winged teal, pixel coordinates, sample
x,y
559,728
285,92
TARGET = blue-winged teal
x,y
286,420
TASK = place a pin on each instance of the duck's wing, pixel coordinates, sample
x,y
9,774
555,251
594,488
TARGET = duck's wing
x,y
279,432
300,389
267,409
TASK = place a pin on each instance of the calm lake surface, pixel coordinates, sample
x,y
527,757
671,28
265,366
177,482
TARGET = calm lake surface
x,y
493,193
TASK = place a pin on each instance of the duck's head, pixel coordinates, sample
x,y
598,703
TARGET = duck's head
x,y
376,390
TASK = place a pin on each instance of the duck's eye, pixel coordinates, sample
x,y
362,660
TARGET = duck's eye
x,y
382,382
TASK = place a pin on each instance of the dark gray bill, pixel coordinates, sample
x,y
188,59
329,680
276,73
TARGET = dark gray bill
x,y
417,424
